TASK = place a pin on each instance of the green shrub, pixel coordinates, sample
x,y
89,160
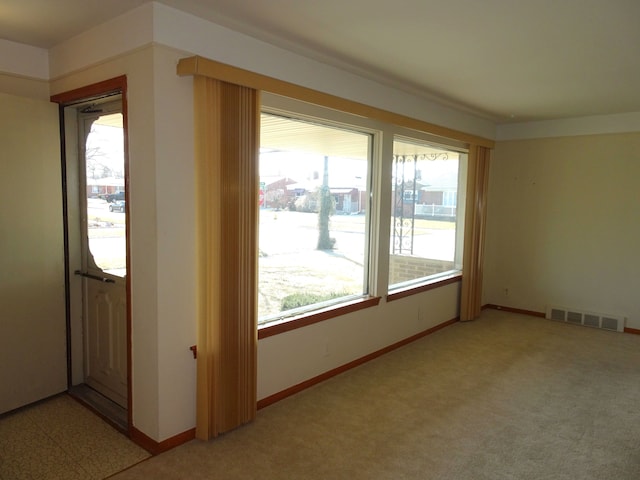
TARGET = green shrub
x,y
296,300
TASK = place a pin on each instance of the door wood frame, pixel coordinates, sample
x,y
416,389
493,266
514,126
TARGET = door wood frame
x,y
106,88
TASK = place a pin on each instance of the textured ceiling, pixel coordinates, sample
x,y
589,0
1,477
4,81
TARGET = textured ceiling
x,y
508,60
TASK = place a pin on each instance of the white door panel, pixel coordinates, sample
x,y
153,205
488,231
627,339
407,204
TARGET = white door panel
x,y
106,337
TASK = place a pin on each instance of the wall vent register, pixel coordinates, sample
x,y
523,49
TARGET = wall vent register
x,y
588,319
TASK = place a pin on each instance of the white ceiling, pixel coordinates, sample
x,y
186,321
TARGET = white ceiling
x,y
508,60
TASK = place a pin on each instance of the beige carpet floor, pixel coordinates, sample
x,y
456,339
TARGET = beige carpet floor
x,y
504,397
59,439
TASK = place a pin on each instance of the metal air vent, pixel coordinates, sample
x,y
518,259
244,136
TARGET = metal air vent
x,y
588,319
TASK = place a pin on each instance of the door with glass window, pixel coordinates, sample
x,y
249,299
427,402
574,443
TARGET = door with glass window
x,y
103,210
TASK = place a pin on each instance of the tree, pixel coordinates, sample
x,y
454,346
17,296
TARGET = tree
x,y
327,206
104,149
275,198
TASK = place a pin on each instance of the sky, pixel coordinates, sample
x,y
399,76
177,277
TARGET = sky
x,y
105,148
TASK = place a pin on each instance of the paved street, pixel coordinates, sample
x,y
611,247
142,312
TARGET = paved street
x,y
107,241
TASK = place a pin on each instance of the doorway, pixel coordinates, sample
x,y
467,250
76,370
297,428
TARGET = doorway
x,y
103,249
97,222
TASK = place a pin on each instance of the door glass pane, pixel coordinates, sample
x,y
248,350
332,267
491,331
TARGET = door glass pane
x,y
105,190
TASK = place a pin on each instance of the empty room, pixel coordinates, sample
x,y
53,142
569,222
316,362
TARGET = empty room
x,y
289,239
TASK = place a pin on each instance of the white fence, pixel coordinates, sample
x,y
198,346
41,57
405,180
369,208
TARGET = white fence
x,y
434,211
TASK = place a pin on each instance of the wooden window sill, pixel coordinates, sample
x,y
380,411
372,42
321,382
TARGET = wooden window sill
x,y
423,287
309,318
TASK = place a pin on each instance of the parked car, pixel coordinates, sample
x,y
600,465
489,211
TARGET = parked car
x,y
117,206
113,197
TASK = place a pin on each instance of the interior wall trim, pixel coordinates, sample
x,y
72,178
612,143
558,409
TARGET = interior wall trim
x,y
154,447
100,89
514,310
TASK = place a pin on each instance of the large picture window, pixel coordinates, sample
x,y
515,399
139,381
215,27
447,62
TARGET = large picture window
x,y
344,199
314,210
427,212
318,237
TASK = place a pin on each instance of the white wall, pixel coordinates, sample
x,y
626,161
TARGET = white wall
x,y
291,358
571,127
124,34
32,325
24,60
175,211
24,70
191,34
563,226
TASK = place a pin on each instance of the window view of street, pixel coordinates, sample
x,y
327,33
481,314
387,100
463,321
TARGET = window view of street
x,y
105,192
314,199
424,213
314,214
106,233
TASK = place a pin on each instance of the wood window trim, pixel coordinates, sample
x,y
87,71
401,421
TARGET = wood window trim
x,y
424,287
309,318
320,315
197,65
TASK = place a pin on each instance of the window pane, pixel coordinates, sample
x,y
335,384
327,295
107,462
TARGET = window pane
x,y
313,240
424,212
104,161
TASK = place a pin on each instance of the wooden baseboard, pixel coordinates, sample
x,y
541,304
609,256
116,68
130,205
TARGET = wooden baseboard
x,y
265,402
153,447
634,331
514,310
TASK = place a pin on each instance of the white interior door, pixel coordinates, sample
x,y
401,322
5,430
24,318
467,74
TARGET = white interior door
x,y
33,361
104,250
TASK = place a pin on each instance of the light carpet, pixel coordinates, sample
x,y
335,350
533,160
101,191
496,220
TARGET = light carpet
x,y
504,397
